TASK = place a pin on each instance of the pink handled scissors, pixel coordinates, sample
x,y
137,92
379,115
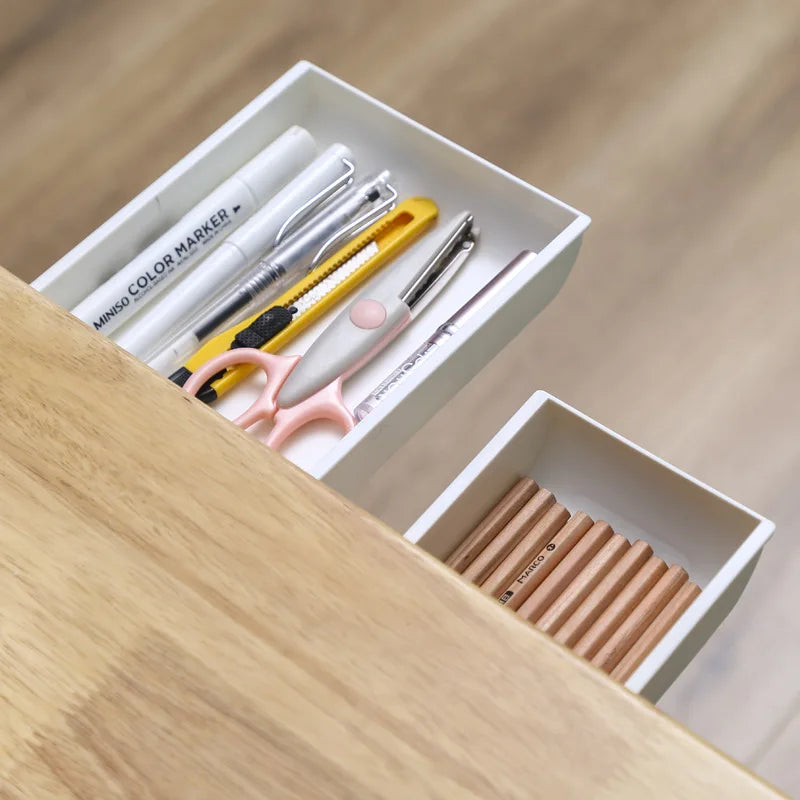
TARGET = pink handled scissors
x,y
325,404
302,389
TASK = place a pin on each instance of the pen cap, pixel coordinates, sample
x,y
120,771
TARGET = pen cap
x,y
367,190
335,221
275,164
258,234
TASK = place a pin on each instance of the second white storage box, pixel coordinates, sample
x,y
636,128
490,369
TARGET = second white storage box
x,y
592,469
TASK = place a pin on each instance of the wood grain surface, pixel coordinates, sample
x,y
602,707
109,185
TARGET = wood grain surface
x,y
185,614
675,125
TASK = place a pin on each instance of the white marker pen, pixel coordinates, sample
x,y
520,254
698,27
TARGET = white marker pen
x,y
163,320
197,232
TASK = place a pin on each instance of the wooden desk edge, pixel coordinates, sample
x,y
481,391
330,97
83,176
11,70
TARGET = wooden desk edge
x,y
33,332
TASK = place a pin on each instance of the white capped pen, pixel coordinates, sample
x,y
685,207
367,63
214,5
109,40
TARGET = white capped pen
x,y
197,232
444,332
164,319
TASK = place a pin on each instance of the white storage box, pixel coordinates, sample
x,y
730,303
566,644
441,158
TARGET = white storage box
x,y
512,215
592,469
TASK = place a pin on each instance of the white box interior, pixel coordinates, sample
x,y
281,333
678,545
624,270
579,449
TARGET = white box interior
x,y
591,469
512,215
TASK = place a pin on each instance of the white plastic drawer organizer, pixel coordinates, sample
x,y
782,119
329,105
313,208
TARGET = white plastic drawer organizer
x,y
512,216
589,467
640,492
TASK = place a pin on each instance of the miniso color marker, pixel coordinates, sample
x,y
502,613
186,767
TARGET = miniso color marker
x,y
197,232
162,320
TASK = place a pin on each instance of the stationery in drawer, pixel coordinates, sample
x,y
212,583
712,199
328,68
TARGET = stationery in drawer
x,y
638,567
366,265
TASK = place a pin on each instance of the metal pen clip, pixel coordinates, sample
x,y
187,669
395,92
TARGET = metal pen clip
x,y
299,215
442,265
355,227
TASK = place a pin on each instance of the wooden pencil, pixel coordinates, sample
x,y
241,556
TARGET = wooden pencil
x,y
601,596
516,497
509,536
637,622
656,631
620,607
582,584
558,580
530,548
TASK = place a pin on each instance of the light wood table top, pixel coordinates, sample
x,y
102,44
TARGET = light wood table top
x,y
175,625
675,125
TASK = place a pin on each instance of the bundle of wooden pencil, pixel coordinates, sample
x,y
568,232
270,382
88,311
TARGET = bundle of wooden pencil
x,y
590,588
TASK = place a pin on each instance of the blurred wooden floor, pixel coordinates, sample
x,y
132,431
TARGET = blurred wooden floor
x,y
676,126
